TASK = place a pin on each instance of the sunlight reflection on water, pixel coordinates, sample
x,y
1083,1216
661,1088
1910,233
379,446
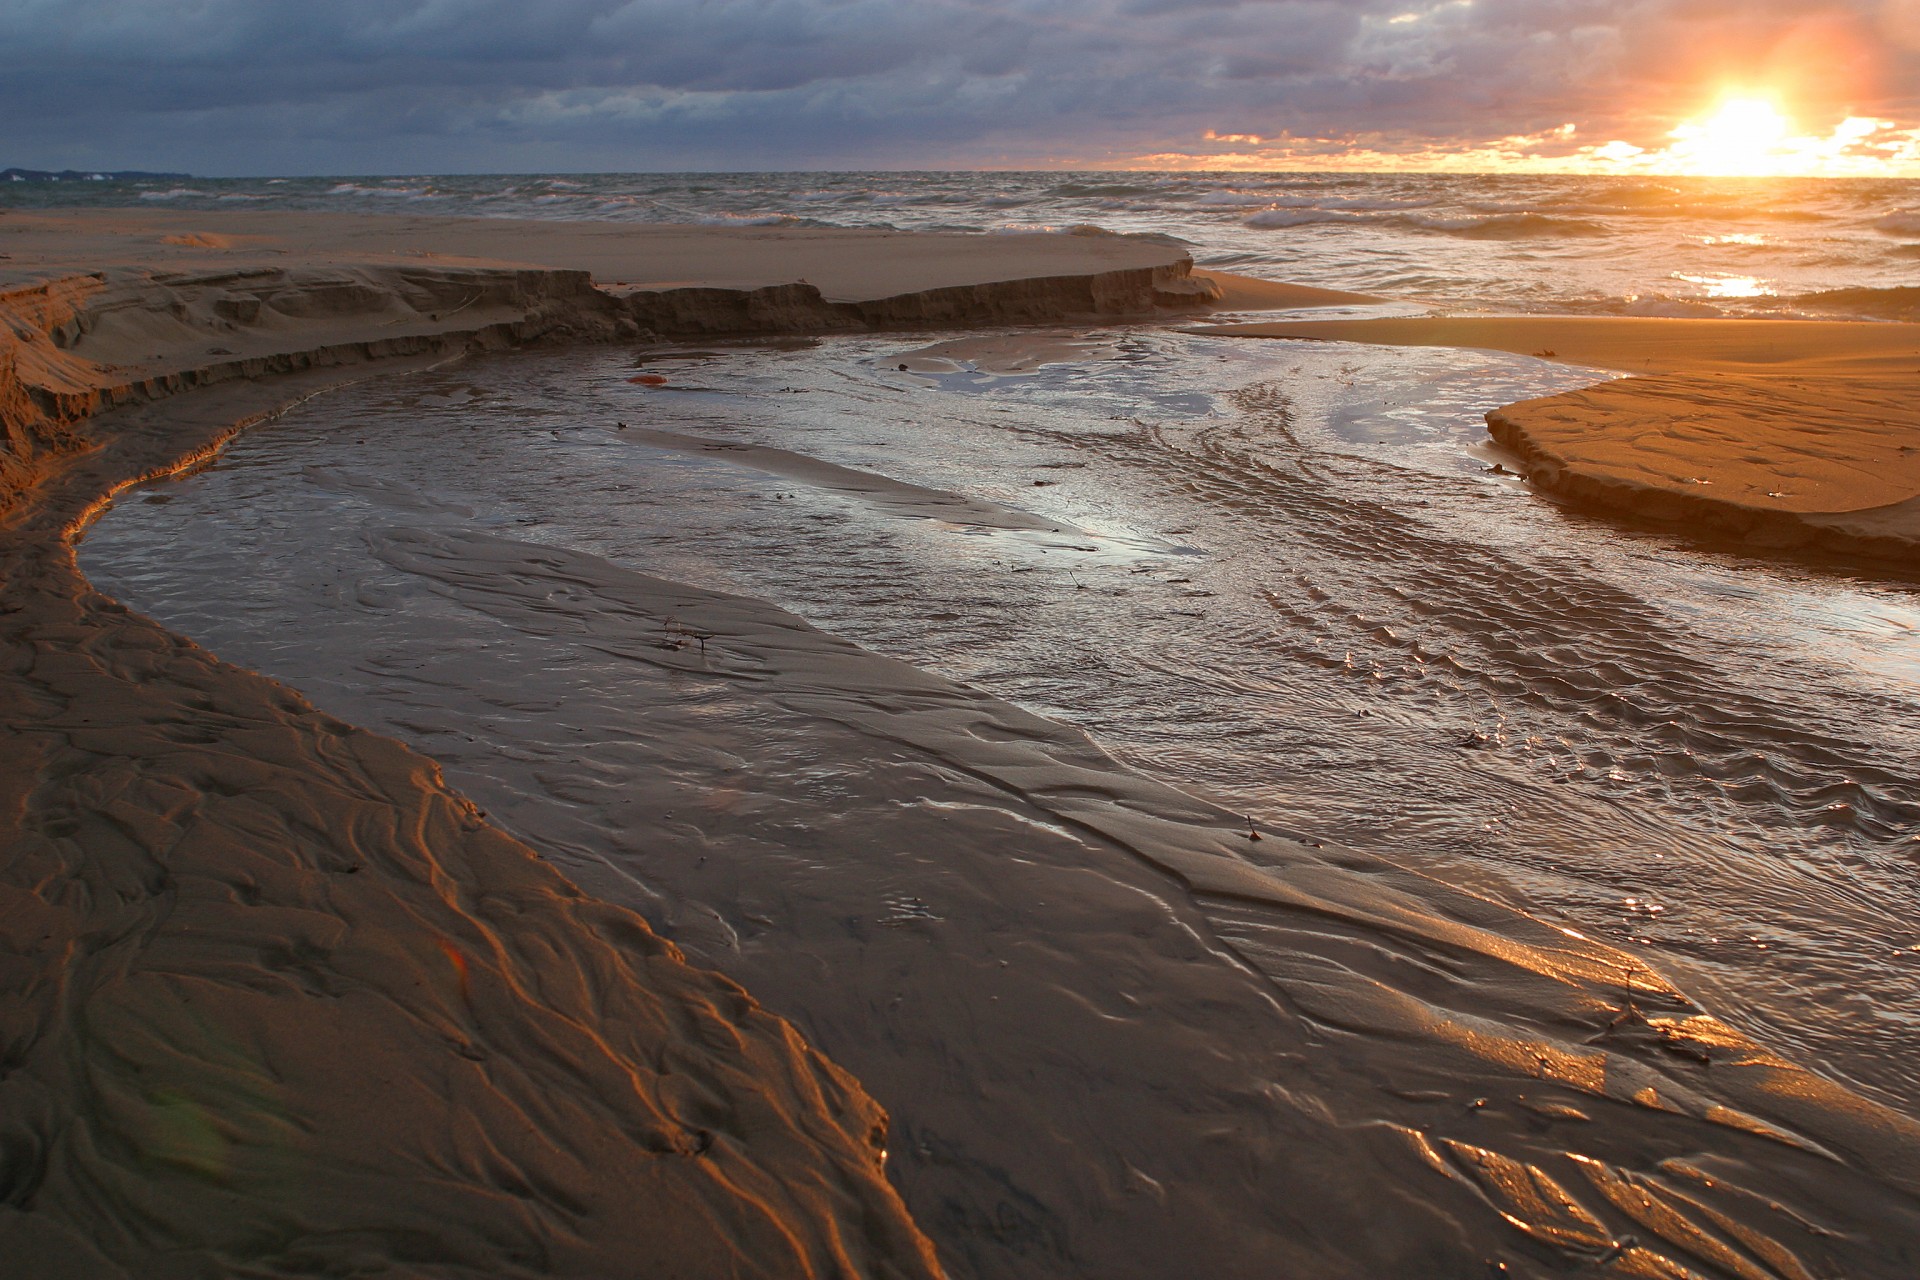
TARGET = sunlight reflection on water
x,y
1383,642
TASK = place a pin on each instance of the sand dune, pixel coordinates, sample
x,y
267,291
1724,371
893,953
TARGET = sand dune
x,y
1783,434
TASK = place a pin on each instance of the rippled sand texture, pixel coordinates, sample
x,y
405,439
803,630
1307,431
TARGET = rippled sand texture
x,y
1117,1037
282,1001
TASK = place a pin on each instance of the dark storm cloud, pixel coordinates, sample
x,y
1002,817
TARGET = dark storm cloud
x,y
359,85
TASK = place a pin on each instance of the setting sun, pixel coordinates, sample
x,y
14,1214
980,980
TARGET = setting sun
x,y
1744,136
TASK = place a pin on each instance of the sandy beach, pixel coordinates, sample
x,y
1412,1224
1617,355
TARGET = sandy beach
x,y
279,1000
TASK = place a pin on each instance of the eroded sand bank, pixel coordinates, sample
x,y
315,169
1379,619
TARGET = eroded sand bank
x,y
1783,434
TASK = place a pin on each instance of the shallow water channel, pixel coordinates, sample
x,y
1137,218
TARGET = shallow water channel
x,y
1285,576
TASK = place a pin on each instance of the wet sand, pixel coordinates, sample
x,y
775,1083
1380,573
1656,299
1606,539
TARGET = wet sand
x,y
275,995
281,996
1782,434
1092,1066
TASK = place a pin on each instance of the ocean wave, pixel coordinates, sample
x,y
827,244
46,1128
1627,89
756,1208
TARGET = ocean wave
x,y
754,220
1272,219
1657,305
1370,203
1360,206
903,199
1521,226
172,193
1106,189
388,193
1668,308
1900,302
1510,226
1899,224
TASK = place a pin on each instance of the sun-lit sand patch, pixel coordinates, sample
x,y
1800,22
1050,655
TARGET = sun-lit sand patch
x,y
1781,432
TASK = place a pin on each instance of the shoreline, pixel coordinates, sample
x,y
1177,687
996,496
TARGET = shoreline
x,y
221,822
237,817
1781,435
100,308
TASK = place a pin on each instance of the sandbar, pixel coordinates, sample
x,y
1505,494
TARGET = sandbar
x,y
1781,434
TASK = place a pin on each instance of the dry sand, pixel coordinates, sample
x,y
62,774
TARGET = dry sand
x,y
104,307
1783,434
845,265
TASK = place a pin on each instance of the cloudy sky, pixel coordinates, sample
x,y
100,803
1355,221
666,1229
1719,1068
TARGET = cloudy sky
x,y
257,87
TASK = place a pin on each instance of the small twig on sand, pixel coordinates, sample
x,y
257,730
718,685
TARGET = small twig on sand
x,y
678,633
1631,1012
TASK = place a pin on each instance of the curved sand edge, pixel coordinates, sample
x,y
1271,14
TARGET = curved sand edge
x,y
100,308
1782,435
1822,466
275,997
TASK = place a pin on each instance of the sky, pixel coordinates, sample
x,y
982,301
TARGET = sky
x,y
289,87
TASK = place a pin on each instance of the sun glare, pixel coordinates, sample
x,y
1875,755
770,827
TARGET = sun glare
x,y
1745,136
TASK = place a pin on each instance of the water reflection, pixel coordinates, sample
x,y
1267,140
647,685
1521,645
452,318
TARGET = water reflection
x,y
1304,592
